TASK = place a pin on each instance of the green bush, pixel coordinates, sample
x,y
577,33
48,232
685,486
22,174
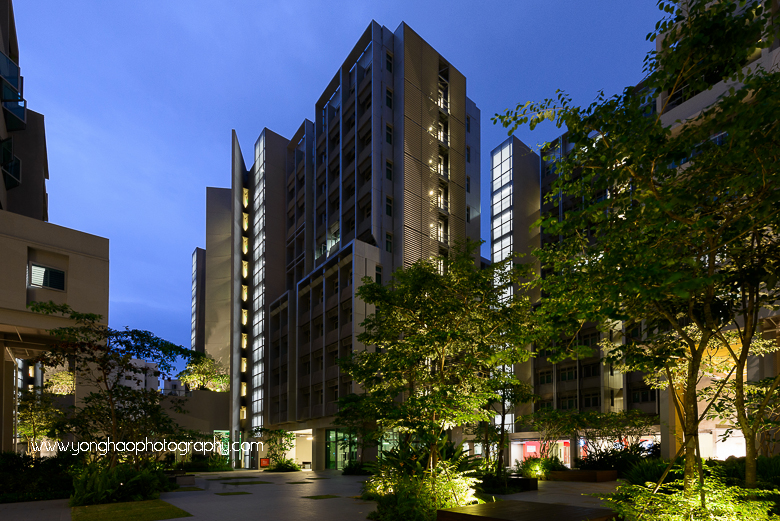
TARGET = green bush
x,y
99,484
767,471
613,459
356,468
284,465
724,503
416,495
204,463
539,467
24,478
650,470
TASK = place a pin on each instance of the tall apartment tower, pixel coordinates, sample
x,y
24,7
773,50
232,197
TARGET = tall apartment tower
x,y
386,174
39,261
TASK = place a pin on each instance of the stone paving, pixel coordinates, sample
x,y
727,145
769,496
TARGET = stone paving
x,y
283,501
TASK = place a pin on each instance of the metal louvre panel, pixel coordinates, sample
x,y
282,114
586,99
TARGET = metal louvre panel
x,y
458,137
412,56
412,175
430,248
412,210
457,168
429,84
430,212
412,138
457,95
458,201
457,229
412,102
412,246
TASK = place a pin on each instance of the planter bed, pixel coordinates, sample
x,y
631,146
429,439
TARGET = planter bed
x,y
596,476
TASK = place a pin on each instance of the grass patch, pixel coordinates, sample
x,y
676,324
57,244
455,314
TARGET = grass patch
x,y
298,482
187,489
231,493
226,479
324,496
153,510
248,483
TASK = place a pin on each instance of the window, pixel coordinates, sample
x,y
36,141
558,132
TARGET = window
x,y
590,370
643,395
468,124
566,374
468,214
591,400
468,184
389,206
389,98
468,154
378,278
389,62
567,402
389,171
389,134
43,277
388,243
545,377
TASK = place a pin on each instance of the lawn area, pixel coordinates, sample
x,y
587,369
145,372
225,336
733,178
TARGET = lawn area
x,y
153,510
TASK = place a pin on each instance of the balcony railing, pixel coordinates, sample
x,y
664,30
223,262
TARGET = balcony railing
x,y
440,236
441,204
12,173
15,107
9,71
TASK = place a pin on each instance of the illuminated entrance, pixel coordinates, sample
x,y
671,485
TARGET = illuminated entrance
x,y
339,449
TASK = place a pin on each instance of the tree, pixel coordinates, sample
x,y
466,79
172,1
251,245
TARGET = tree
x,y
276,442
673,226
105,360
61,382
37,417
203,372
438,329
357,416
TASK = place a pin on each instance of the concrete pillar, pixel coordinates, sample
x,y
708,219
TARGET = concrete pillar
x,y
318,450
7,403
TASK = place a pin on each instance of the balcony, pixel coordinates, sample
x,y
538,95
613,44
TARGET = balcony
x,y
442,204
439,235
14,107
11,165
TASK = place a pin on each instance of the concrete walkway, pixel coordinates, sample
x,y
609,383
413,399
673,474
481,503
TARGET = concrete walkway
x,y
280,500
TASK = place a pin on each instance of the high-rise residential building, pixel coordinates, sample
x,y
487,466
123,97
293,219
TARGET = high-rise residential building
x,y
387,173
39,261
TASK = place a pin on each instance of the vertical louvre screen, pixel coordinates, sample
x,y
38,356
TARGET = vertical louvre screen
x,y
43,277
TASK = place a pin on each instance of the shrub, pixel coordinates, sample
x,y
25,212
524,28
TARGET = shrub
x,y
417,495
99,484
614,459
650,470
356,468
284,465
539,467
24,478
724,503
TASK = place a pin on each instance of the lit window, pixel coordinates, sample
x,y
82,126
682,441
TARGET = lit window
x,y
246,221
243,365
246,197
43,277
31,371
243,388
389,134
243,413
244,269
244,293
243,316
243,340
245,244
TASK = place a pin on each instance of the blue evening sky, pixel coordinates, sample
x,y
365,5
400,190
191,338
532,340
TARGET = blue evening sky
x,y
140,98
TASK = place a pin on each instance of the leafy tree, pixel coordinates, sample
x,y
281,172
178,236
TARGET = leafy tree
x,y
37,417
276,442
552,425
673,224
61,382
438,330
357,416
203,372
105,361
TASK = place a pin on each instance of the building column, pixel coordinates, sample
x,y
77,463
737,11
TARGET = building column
x,y
7,401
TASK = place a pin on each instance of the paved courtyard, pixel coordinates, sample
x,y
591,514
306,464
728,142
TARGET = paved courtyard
x,y
281,500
